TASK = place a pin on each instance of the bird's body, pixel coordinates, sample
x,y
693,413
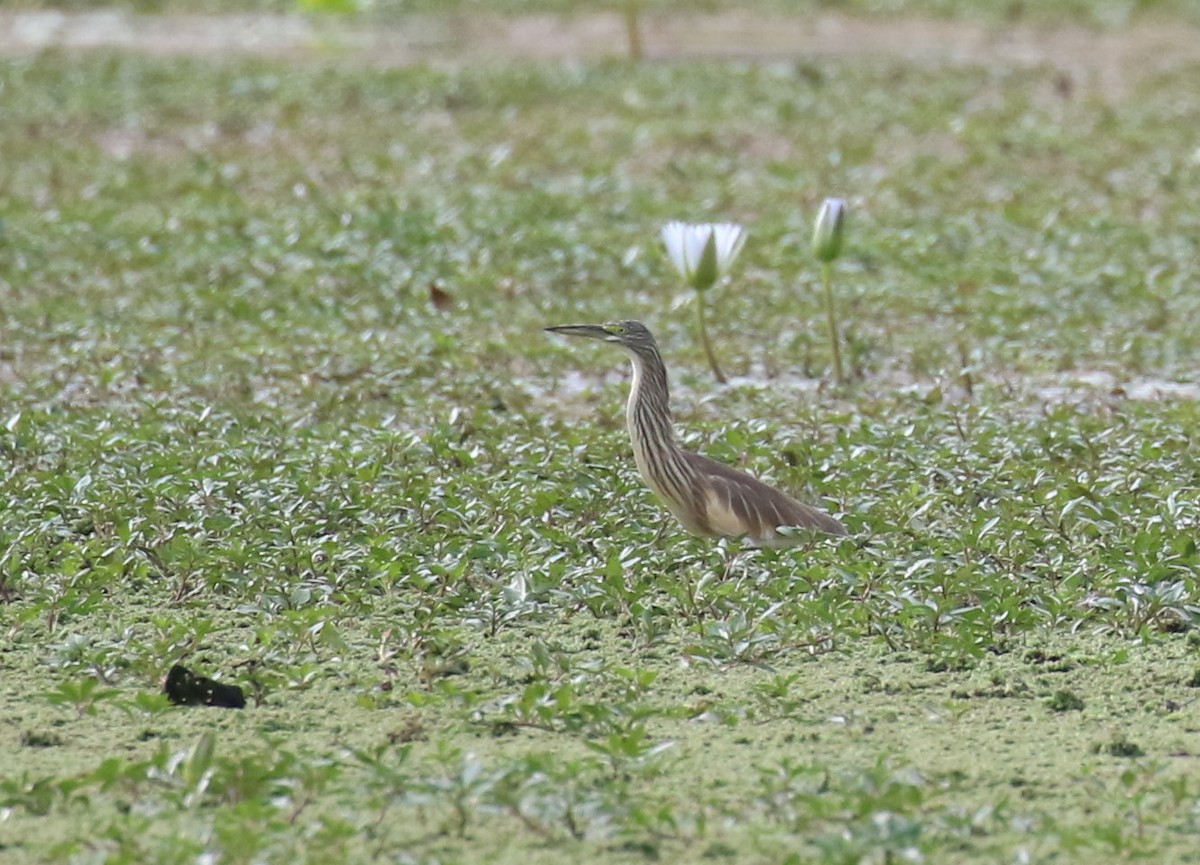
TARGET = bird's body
x,y
710,499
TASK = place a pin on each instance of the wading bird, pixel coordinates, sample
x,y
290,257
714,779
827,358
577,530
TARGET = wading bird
x,y
710,499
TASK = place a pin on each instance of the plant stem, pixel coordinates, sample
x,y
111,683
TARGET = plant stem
x,y
633,29
712,358
831,317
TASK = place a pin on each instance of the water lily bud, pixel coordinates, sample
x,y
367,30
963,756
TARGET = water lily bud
x,y
829,229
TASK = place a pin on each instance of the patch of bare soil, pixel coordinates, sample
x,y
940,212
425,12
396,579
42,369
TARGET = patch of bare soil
x,y
1106,59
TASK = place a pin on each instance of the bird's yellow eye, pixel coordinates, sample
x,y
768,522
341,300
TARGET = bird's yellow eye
x,y
615,329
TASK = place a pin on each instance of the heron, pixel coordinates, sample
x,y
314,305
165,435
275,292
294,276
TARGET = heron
x,y
708,498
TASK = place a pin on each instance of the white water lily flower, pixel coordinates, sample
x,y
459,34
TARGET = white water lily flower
x,y
703,253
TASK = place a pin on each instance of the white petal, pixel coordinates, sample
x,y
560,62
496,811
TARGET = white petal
x,y
695,239
673,236
832,211
730,239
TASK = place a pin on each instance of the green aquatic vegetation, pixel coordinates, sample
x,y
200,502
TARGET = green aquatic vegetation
x,y
240,431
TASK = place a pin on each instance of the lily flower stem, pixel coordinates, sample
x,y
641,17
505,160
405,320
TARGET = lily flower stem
x,y
831,317
712,358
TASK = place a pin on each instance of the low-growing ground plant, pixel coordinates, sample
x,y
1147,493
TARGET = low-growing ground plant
x,y
275,406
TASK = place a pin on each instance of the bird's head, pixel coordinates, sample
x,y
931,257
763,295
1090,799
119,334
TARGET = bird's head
x,y
632,336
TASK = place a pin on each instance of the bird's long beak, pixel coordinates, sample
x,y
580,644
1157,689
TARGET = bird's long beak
x,y
593,331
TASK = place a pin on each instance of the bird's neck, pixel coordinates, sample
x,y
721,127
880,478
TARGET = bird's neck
x,y
660,461
649,402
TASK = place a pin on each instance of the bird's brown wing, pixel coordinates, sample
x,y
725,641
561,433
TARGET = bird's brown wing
x,y
738,504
